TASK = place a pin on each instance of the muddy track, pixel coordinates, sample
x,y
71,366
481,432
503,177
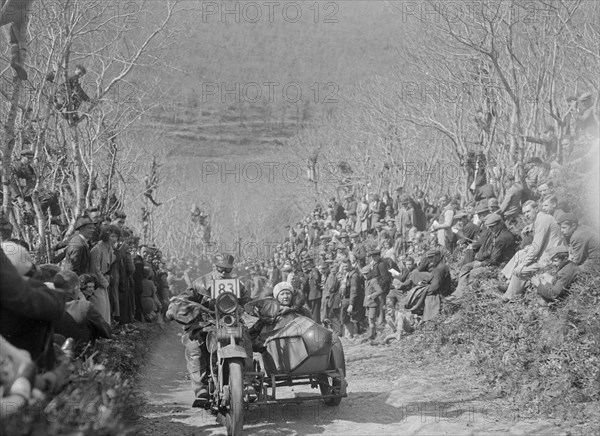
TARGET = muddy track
x,y
384,398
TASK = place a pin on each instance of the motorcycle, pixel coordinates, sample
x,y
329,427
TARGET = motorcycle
x,y
225,338
294,351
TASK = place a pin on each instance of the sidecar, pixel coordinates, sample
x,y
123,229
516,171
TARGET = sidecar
x,y
298,351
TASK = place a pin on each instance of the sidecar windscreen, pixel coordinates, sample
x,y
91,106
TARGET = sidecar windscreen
x,y
266,308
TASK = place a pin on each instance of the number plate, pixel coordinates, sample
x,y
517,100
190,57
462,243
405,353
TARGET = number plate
x,y
225,285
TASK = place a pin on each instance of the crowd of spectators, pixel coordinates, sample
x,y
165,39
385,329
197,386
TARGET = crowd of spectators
x,y
367,261
100,282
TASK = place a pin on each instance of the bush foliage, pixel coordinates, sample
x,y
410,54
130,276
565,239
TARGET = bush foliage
x,y
100,398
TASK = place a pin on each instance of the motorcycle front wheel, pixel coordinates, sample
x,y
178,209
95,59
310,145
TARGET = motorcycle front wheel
x,y
234,417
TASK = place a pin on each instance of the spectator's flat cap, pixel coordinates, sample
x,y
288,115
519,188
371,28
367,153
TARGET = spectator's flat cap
x,y
433,252
83,221
492,219
561,249
460,215
567,217
366,269
354,235
343,235
404,198
374,251
493,202
482,207
28,153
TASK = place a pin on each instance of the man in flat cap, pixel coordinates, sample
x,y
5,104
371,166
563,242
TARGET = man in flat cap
x,y
504,246
312,289
584,245
384,278
371,305
552,287
77,254
526,262
481,248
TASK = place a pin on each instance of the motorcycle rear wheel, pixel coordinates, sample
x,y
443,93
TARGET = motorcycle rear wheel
x,y
234,417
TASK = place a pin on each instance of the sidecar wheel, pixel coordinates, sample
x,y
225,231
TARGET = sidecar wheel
x,y
330,386
234,417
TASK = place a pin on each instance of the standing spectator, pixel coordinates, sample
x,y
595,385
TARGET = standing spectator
x,y
312,289
138,277
384,278
405,219
77,254
356,294
363,224
371,304
350,209
124,268
511,204
376,210
102,258
338,211
444,227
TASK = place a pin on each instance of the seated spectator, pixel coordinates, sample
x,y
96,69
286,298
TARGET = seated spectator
x,y
583,243
555,286
503,248
528,261
550,206
27,307
467,230
81,321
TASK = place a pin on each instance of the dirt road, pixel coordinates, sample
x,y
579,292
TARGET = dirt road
x,y
383,399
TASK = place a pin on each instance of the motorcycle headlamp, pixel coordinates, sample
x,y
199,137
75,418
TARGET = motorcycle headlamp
x,y
226,303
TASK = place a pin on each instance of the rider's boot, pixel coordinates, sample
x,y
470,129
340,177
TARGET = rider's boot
x,y
201,389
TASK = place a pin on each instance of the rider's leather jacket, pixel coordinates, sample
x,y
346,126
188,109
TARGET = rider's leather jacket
x,y
200,292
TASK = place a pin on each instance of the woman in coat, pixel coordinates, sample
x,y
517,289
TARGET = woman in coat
x,y
362,216
102,258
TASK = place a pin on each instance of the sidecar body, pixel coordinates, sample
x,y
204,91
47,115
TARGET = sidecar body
x,y
298,351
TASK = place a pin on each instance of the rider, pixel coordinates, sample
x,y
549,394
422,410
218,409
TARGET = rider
x,y
196,354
